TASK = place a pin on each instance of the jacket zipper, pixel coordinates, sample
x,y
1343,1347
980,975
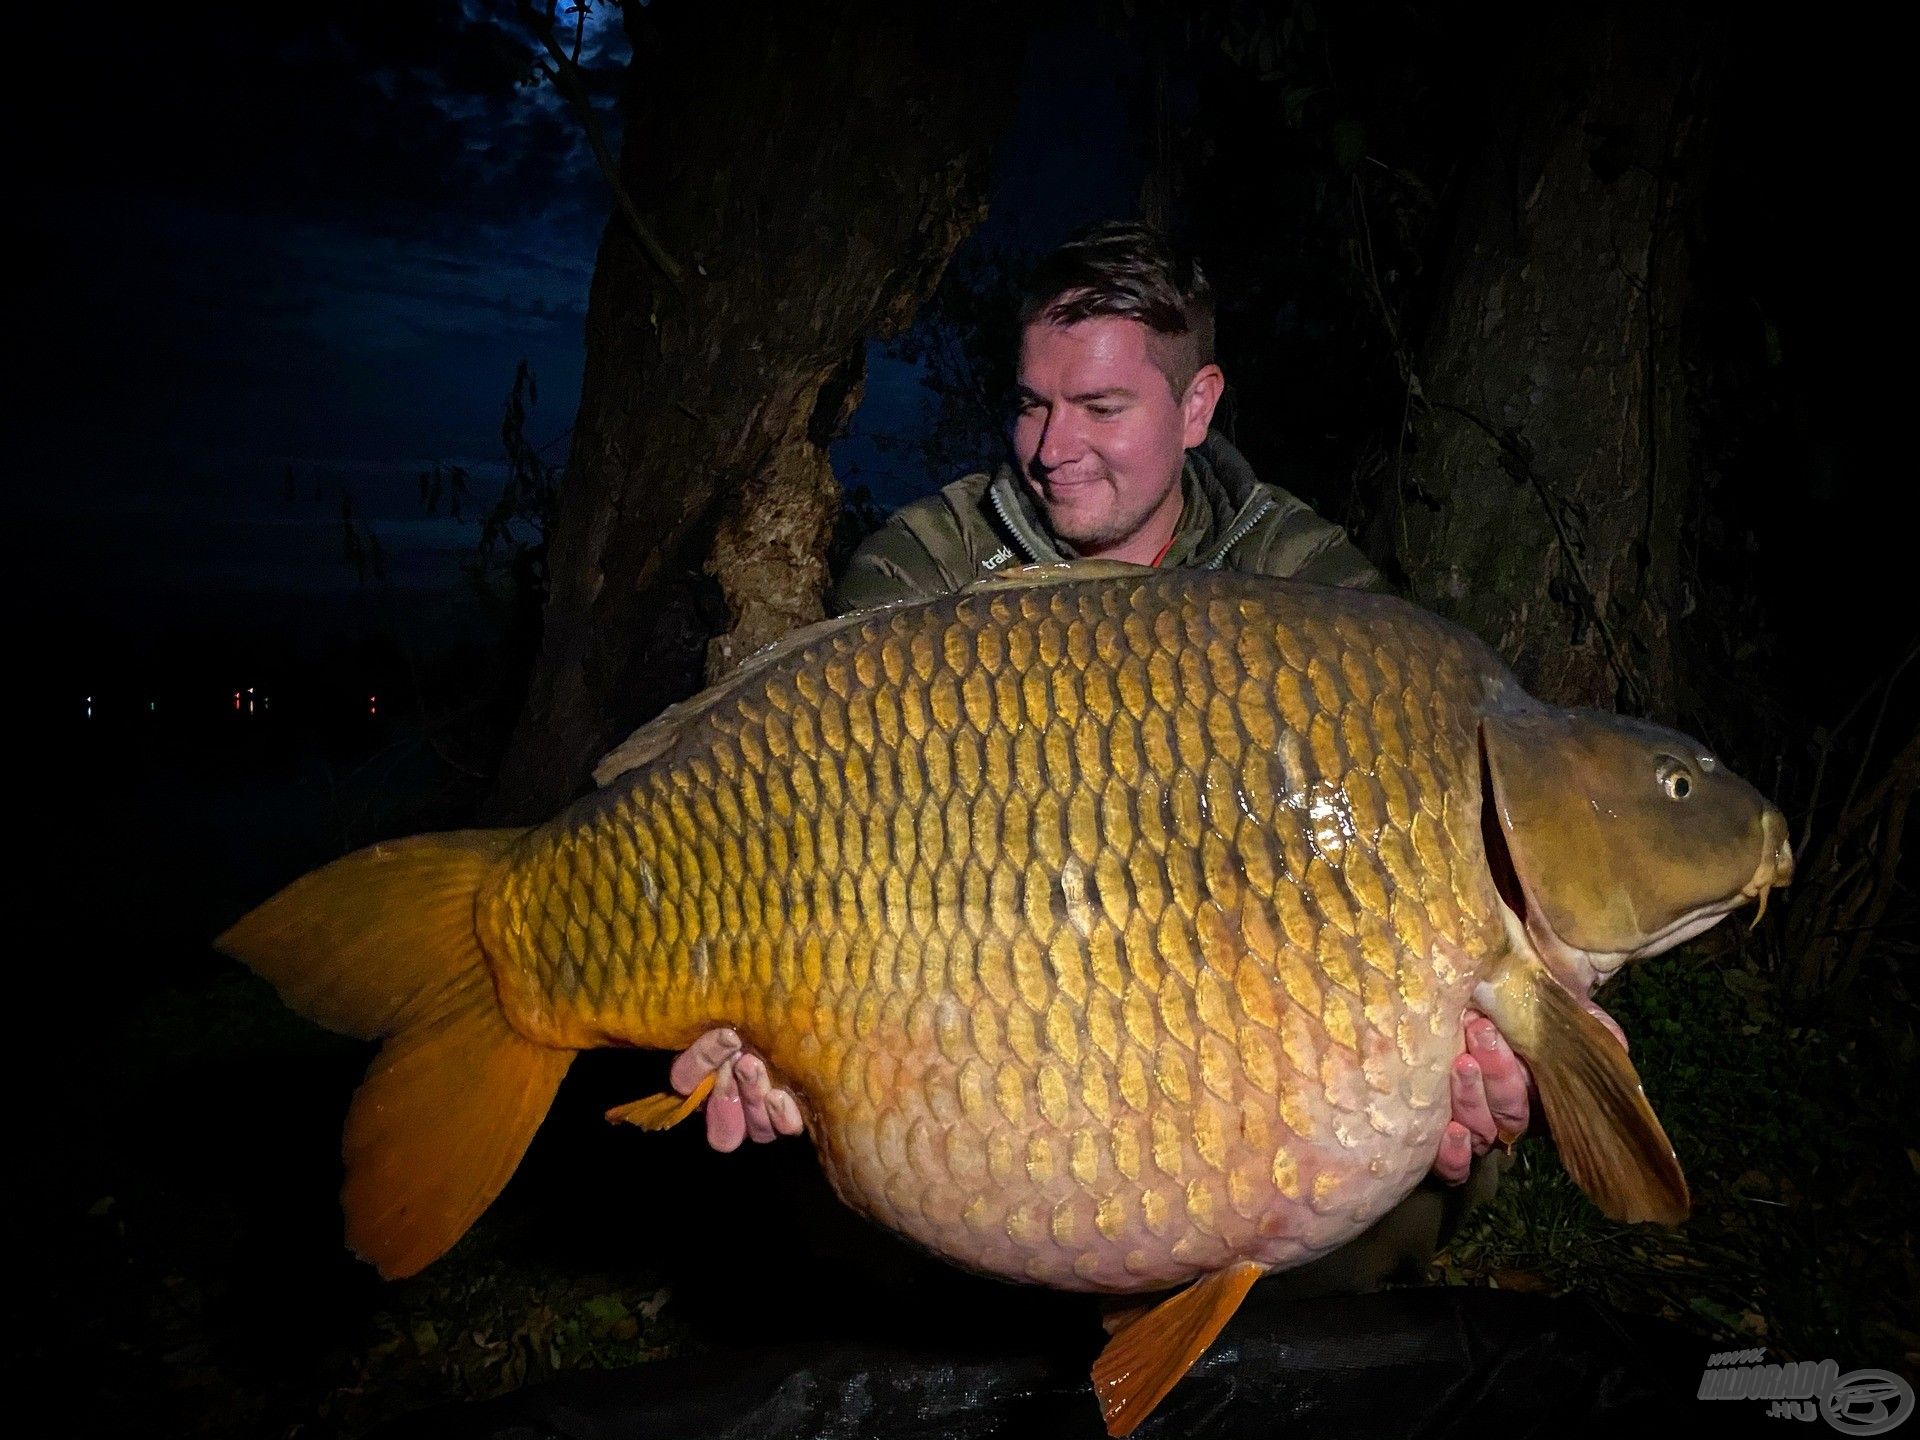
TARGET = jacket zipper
x,y
1000,509
1251,517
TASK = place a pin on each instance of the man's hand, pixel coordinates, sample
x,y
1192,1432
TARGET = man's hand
x,y
1492,1092
744,1104
1489,1086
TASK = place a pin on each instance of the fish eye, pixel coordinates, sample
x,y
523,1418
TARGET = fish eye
x,y
1674,778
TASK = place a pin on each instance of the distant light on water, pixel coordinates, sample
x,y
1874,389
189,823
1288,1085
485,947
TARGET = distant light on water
x,y
251,702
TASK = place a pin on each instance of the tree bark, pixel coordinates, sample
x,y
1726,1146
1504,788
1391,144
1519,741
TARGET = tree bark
x,y
1546,473
811,169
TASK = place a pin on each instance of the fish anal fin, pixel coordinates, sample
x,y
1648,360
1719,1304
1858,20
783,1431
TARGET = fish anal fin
x,y
1148,1356
665,1110
1609,1139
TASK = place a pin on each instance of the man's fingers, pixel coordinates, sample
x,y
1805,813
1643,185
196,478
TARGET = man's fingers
x,y
751,1071
1503,1074
784,1111
744,1104
702,1058
1469,1096
1455,1161
726,1122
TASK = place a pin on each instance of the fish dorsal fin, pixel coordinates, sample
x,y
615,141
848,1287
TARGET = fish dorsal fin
x,y
1609,1139
1061,572
658,735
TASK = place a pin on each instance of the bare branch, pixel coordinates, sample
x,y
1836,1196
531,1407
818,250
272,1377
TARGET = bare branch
x,y
565,75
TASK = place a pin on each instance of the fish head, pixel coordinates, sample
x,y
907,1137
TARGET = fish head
x,y
1614,839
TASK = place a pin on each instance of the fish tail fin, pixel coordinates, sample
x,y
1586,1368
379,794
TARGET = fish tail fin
x,y
383,944
438,1128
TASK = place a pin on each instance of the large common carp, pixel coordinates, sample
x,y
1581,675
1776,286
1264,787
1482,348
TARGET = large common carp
x,y
1113,931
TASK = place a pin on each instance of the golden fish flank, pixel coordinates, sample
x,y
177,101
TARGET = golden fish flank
x,y
1156,843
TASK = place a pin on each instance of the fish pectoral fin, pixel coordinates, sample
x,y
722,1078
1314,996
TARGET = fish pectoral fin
x,y
1609,1139
1148,1356
663,1111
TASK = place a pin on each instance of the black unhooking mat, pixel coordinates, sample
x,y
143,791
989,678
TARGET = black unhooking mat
x,y
1421,1363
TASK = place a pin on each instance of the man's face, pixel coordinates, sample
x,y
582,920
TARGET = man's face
x,y
1099,433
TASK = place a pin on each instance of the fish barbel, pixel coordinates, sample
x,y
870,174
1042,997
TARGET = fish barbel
x,y
1113,931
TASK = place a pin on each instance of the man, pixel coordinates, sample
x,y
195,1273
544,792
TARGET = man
x,y
1116,460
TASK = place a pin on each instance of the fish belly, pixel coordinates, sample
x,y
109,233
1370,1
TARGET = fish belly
x,y
1084,1171
1108,932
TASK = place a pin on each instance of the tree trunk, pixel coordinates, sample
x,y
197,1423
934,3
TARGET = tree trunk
x,y
811,169
1546,474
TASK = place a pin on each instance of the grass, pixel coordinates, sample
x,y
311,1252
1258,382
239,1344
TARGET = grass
x,y
1798,1134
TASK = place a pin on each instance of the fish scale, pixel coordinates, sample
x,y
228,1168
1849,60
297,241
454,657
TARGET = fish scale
x,y
1109,933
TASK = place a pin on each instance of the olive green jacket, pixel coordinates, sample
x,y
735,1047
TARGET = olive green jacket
x,y
984,523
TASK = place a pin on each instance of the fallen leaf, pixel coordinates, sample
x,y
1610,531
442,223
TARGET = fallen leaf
x,y
1520,1280
651,1306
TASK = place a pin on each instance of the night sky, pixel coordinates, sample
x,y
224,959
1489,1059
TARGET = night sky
x,y
284,254
292,239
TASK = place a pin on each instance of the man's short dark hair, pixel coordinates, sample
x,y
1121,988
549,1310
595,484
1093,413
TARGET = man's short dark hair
x,y
1132,271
